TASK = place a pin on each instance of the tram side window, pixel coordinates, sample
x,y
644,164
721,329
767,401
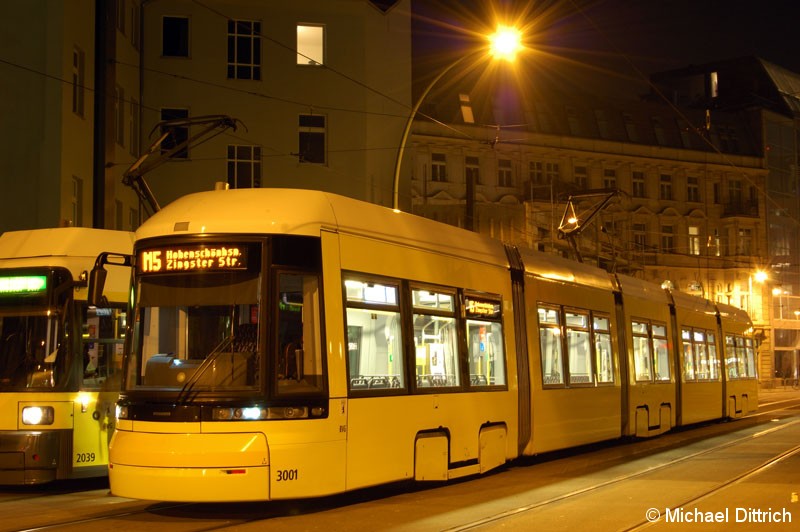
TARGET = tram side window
x,y
731,367
604,360
485,352
641,351
712,355
704,364
578,347
751,357
300,368
435,346
102,337
550,345
740,361
688,355
374,337
661,352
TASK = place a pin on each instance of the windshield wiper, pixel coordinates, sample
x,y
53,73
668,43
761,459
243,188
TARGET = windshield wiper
x,y
202,368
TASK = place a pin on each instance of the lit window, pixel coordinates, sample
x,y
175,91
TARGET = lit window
x,y
694,240
310,45
466,109
435,333
374,336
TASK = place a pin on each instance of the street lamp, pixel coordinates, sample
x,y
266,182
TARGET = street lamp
x,y
504,45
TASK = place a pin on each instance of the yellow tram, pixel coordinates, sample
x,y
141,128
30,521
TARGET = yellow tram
x,y
59,357
295,343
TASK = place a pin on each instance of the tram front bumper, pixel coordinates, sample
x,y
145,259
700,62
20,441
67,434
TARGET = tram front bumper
x,y
194,467
30,457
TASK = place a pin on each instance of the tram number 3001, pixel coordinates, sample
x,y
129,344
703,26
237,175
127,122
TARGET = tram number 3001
x,y
285,475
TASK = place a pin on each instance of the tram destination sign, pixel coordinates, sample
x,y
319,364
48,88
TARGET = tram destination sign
x,y
191,258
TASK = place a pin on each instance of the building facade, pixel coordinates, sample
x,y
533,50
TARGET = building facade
x,y
695,194
320,90
53,103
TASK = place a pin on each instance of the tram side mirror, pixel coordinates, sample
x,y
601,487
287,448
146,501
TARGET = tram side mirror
x,y
97,281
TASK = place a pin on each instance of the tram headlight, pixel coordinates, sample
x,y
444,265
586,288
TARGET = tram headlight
x,y
253,413
122,412
38,415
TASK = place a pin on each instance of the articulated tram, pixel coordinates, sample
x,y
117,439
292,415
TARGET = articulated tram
x,y
60,359
294,343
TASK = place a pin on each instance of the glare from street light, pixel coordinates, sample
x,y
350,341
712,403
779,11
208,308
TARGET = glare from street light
x,y
506,42
761,276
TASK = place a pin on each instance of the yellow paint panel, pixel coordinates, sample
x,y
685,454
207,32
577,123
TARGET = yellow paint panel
x,y
174,450
190,484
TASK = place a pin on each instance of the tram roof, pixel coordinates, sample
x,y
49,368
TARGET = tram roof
x,y
307,213
734,314
558,268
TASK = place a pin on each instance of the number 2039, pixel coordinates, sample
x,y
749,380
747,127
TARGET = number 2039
x,y
85,458
285,475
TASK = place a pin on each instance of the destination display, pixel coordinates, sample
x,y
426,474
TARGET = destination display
x,y
23,284
191,258
476,308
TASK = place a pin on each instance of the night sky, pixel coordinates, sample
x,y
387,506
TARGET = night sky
x,y
632,38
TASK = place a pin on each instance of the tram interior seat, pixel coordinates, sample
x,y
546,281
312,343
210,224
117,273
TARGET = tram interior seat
x,y
379,382
478,380
552,378
359,383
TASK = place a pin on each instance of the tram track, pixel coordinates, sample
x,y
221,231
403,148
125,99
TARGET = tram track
x,y
513,512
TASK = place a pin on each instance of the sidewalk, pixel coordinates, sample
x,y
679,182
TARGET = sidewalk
x,y
778,393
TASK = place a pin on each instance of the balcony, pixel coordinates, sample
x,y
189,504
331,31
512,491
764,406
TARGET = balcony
x,y
743,208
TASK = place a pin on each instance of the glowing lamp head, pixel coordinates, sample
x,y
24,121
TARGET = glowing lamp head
x,y
505,42
760,276
38,415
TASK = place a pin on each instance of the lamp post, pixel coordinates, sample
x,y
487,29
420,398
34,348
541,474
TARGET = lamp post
x,y
505,43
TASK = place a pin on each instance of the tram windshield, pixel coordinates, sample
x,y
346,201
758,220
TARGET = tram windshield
x,y
196,332
30,346
33,309
199,325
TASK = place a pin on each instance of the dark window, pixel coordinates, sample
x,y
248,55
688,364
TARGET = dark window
x,y
175,37
244,49
311,139
244,166
177,134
